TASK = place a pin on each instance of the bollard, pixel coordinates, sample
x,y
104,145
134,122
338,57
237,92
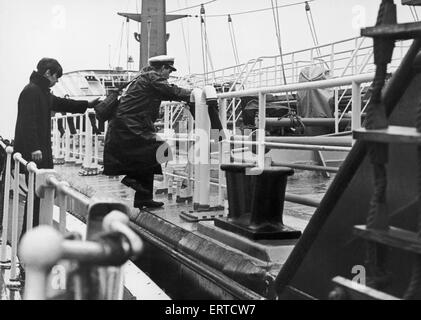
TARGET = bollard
x,y
256,201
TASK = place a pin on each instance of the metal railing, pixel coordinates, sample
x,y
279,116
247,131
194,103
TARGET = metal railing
x,y
106,219
342,58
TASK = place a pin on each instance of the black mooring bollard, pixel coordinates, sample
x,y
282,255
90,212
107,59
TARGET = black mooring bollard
x,y
239,191
256,203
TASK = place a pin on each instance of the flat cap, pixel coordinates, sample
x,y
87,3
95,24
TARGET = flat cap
x,y
163,60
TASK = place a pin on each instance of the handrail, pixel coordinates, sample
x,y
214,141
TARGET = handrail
x,y
47,186
299,86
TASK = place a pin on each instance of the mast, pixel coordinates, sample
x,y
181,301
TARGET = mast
x,y
153,38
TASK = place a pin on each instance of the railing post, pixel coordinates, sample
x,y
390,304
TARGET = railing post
x,y
87,163
80,158
261,132
62,201
14,281
332,61
336,110
47,194
67,140
356,105
5,263
223,112
32,168
202,174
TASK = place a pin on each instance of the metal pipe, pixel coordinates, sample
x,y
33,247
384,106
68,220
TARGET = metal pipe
x,y
261,132
15,218
290,146
308,122
324,141
32,168
301,200
300,86
356,106
6,201
305,167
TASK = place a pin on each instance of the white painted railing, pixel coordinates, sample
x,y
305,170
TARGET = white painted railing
x,y
342,58
43,248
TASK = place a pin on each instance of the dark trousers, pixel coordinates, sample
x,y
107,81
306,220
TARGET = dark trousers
x,y
144,188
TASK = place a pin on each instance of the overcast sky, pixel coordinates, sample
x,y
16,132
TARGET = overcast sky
x,y
86,34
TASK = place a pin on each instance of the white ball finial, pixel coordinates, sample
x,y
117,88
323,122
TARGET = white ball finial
x,y
41,247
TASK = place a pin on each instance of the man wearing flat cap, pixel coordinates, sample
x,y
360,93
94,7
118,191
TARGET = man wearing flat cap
x,y
131,145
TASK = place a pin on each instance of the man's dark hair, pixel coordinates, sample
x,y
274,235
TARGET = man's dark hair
x,y
50,64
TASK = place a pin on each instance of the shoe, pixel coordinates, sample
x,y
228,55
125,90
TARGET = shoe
x,y
149,204
132,183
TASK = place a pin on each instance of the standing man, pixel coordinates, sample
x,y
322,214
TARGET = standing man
x,y
33,125
131,146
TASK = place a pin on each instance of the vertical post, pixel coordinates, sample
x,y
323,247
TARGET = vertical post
x,y
336,110
261,132
202,166
356,106
62,200
332,61
73,158
47,195
31,190
190,153
87,163
80,160
15,218
55,138
67,142
223,112
7,186
96,151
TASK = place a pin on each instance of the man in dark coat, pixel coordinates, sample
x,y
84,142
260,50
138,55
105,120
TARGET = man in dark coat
x,y
33,124
131,146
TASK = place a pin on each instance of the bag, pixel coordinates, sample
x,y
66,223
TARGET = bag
x,y
106,109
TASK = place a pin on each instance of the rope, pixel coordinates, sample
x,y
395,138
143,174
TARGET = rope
x,y
378,152
206,55
204,59
233,40
121,43
186,43
276,19
312,26
414,288
414,13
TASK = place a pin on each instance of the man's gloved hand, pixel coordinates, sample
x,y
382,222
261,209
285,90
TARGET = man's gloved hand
x,y
93,103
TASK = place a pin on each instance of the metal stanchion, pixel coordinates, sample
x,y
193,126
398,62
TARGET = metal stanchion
x,y
4,263
14,280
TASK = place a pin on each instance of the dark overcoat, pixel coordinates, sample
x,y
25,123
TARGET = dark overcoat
x,y
131,145
33,124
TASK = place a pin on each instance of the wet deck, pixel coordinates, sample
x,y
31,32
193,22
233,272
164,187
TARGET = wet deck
x,y
311,185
